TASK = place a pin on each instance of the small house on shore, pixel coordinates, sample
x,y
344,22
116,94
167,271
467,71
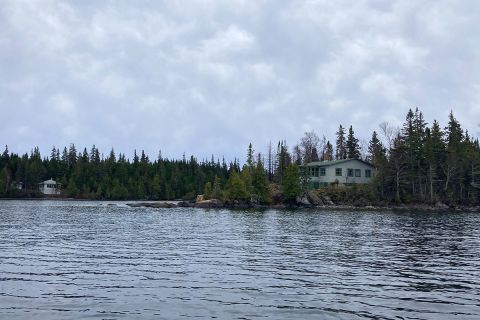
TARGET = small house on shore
x,y
50,187
340,172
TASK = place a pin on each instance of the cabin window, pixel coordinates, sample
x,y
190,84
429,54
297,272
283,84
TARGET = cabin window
x,y
314,172
368,173
349,172
358,173
322,172
338,172
316,185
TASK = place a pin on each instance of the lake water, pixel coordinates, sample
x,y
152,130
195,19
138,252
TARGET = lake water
x,y
77,260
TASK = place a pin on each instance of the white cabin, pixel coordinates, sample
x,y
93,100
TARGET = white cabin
x,y
50,187
341,172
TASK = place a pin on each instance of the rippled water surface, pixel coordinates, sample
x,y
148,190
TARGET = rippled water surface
x,y
76,260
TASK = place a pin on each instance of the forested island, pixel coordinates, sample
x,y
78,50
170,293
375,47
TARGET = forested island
x,y
415,164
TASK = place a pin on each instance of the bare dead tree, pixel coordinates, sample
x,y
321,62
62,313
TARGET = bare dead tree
x,y
363,148
308,143
389,133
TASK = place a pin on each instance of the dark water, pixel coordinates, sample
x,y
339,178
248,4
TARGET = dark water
x,y
80,260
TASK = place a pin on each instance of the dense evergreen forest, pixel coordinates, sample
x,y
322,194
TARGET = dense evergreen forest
x,y
417,163
92,176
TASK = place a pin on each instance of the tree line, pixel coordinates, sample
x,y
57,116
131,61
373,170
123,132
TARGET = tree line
x,y
422,163
92,176
415,163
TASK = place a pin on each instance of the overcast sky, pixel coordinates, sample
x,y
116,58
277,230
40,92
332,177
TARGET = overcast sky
x,y
208,77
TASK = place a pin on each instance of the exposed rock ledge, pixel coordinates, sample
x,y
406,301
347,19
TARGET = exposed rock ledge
x,y
215,203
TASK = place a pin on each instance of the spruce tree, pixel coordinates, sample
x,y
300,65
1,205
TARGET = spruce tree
x,y
353,148
236,189
452,167
250,157
260,184
341,148
434,150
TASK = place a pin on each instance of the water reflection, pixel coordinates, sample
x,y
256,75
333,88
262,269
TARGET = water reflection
x,y
71,260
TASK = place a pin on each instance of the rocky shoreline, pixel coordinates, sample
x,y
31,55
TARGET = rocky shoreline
x,y
236,205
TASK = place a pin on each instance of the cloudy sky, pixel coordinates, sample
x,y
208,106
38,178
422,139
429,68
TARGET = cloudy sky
x,y
208,77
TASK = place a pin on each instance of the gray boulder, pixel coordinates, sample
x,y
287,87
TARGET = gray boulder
x,y
314,199
328,201
303,201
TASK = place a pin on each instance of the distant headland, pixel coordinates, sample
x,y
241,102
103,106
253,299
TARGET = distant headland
x,y
416,165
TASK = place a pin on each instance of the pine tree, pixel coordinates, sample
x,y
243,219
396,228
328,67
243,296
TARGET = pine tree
x,y
5,154
452,167
377,155
250,157
341,148
353,148
270,162
283,160
260,184
397,166
94,155
414,138
434,150
376,151
72,156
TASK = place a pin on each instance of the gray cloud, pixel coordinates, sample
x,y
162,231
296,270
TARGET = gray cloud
x,y
207,77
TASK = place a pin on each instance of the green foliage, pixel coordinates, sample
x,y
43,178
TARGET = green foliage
x,y
72,190
250,156
260,185
353,148
207,190
341,148
422,163
4,181
118,191
217,192
283,159
88,175
236,188
291,186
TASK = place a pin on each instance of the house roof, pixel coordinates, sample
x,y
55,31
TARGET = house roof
x,y
335,162
51,181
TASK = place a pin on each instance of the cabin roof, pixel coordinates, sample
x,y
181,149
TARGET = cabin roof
x,y
335,162
51,181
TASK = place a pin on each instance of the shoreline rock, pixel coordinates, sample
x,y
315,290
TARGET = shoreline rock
x,y
156,205
236,205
